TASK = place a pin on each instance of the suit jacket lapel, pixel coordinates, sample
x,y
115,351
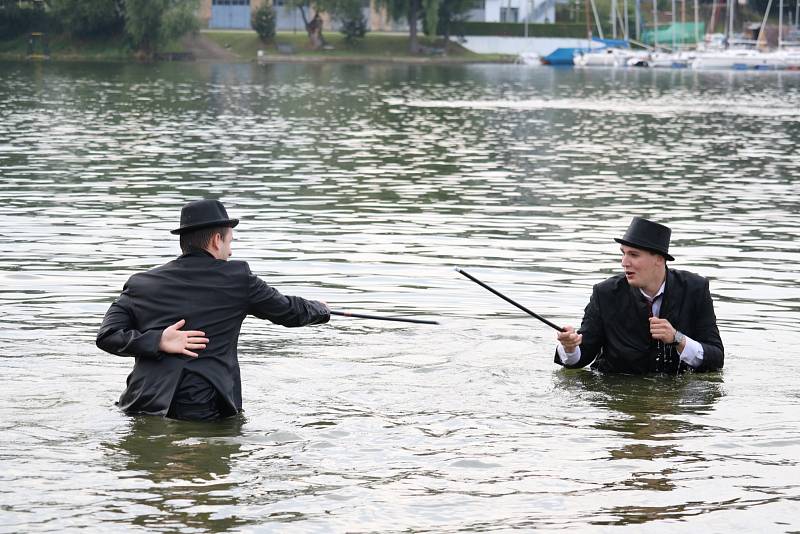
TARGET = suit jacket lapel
x,y
673,296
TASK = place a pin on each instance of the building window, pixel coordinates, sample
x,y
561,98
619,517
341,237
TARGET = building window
x,y
509,14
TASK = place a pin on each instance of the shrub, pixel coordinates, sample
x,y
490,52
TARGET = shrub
x,y
354,25
354,30
263,22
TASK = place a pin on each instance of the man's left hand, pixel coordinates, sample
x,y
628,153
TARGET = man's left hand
x,y
662,330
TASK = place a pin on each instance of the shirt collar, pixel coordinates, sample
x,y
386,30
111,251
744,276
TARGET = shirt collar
x,y
658,293
196,252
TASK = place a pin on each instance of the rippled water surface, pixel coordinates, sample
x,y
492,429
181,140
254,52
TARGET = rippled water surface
x,y
364,186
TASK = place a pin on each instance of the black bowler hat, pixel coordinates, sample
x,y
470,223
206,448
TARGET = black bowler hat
x,y
647,235
203,214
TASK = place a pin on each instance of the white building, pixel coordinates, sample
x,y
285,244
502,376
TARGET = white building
x,y
236,13
533,11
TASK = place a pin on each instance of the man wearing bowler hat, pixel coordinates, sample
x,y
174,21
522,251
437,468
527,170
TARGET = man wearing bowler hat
x,y
181,322
650,318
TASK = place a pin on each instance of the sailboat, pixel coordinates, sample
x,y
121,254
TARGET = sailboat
x,y
740,58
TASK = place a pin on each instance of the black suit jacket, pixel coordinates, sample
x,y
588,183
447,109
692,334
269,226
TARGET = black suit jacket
x,y
616,328
214,296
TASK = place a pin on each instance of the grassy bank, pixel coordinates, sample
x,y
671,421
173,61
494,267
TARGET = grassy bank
x,y
374,46
66,48
244,45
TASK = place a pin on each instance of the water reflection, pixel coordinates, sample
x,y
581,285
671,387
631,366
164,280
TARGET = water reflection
x,y
183,472
649,417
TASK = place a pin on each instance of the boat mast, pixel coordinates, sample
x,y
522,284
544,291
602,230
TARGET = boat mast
x,y
588,24
763,25
597,20
674,16
625,20
614,18
696,27
638,14
655,24
730,22
780,24
712,24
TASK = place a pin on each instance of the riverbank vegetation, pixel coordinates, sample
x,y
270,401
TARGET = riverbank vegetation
x,y
374,46
153,29
94,28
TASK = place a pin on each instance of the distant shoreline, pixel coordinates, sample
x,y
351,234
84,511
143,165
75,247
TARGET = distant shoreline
x,y
245,47
268,60
275,58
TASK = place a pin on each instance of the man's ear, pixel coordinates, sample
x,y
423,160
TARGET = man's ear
x,y
216,241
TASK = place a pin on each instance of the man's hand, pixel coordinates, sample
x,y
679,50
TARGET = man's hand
x,y
662,330
569,339
177,341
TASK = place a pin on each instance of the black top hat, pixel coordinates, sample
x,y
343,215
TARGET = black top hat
x,y
203,214
647,235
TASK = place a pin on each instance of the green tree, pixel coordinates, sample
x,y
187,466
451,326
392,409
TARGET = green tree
x,y
17,18
263,22
452,14
412,11
312,23
150,24
89,18
350,16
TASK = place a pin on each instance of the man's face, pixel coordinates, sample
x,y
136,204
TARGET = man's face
x,y
642,268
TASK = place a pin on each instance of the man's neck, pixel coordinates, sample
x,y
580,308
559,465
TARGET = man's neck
x,y
652,289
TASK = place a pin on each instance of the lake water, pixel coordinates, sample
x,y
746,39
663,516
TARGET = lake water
x,y
365,186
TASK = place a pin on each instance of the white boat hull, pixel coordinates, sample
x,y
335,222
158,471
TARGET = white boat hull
x,y
738,60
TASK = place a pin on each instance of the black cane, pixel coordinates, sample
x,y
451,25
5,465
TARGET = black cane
x,y
520,306
381,318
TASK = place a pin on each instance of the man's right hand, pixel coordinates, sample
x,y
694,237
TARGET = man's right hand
x,y
569,339
177,341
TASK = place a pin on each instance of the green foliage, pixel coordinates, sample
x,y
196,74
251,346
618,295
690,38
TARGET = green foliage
x,y
89,18
263,22
151,23
354,25
16,20
396,9
452,13
430,19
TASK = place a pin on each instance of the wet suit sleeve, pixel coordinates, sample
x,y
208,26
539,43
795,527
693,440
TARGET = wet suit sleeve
x,y
266,302
118,333
592,332
705,332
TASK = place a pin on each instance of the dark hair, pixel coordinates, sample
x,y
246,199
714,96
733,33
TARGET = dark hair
x,y
202,238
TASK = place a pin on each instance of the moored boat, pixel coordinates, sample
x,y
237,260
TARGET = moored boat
x,y
737,59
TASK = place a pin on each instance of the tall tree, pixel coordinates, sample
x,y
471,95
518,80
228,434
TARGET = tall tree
x,y
412,11
452,14
311,13
88,18
150,24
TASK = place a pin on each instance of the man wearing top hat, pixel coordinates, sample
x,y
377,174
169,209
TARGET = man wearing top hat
x,y
650,318
181,322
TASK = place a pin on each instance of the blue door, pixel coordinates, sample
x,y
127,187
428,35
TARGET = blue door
x,y
230,14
